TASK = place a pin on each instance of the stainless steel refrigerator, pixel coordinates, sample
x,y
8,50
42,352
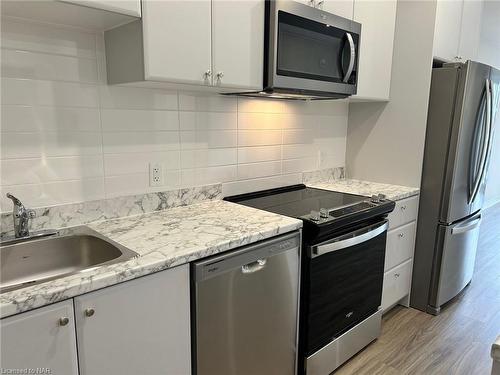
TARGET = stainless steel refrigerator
x,y
463,103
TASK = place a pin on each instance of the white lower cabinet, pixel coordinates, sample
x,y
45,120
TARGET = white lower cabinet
x,y
42,338
138,327
397,283
399,252
141,326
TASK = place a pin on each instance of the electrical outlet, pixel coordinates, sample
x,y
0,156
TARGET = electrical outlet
x,y
155,174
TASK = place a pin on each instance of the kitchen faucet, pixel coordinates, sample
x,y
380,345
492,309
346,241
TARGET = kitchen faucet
x,y
21,217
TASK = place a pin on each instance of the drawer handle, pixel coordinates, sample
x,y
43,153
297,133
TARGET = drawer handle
x,y
403,208
396,275
401,235
63,321
89,312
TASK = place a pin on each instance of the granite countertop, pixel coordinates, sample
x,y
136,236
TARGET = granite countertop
x,y
393,192
163,240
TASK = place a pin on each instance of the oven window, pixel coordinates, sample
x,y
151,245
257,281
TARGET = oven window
x,y
312,50
344,287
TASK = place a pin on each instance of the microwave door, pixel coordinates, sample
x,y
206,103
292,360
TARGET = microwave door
x,y
310,53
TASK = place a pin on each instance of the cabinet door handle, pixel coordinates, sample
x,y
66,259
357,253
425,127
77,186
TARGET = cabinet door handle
x,y
89,312
401,235
396,275
207,75
219,76
63,321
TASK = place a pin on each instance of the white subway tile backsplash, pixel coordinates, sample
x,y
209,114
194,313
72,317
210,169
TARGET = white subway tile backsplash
x,y
208,157
67,137
299,165
297,136
208,120
34,65
256,170
261,105
138,162
50,169
138,183
52,93
247,186
53,193
208,139
259,137
299,151
25,145
30,36
137,98
21,118
123,142
257,154
206,103
260,121
115,120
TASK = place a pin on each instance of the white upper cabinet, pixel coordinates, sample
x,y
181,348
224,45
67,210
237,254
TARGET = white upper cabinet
x,y
471,30
215,45
138,327
237,43
41,338
378,21
177,41
343,8
129,7
457,29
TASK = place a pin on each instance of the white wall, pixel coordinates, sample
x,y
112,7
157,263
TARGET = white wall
x,y
385,141
67,137
489,53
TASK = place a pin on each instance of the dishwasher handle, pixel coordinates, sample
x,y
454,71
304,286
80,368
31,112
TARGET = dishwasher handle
x,y
247,259
252,267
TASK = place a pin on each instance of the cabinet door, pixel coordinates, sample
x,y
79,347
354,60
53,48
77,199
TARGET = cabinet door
x,y
376,47
238,43
471,29
177,41
129,7
342,8
41,338
447,29
138,327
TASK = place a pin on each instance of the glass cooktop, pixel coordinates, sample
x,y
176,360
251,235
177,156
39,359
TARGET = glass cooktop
x,y
296,201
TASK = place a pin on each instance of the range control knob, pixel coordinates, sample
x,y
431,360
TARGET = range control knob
x,y
323,212
375,199
382,197
314,216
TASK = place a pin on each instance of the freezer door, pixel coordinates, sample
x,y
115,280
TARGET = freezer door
x,y
457,245
468,146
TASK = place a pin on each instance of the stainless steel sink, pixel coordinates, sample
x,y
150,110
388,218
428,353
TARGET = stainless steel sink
x,y
74,250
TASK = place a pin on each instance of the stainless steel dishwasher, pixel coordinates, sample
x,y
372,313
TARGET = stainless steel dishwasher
x,y
245,309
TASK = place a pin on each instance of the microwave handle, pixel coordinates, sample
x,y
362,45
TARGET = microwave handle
x,y
352,57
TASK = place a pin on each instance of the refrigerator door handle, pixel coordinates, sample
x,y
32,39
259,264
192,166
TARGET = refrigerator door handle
x,y
468,226
486,144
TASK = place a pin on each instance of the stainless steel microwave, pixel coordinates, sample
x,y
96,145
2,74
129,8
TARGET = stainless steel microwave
x,y
308,53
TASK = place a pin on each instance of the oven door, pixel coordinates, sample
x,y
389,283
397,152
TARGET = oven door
x,y
345,282
311,50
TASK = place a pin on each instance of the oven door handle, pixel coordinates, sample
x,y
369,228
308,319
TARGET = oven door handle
x,y
350,239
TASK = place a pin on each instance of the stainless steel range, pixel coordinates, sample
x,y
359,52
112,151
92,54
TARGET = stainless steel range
x,y
342,269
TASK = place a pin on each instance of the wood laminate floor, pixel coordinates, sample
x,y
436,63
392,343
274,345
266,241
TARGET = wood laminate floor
x,y
458,341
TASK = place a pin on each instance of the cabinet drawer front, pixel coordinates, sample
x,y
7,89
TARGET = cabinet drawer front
x,y
400,245
396,284
404,212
